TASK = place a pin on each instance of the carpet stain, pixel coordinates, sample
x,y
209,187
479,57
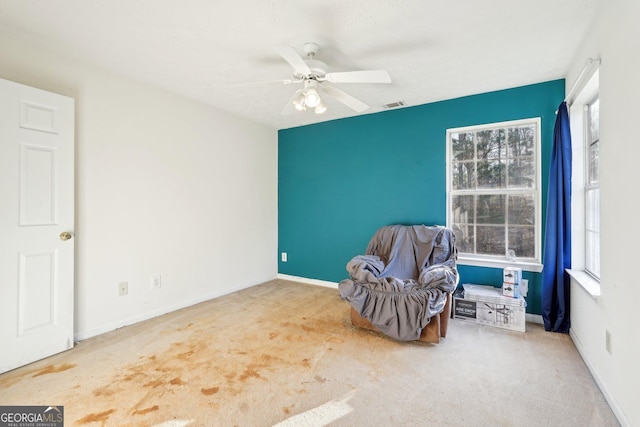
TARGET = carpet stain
x,y
185,328
133,376
94,418
13,378
104,391
287,409
185,355
146,410
52,369
249,372
154,384
210,391
177,381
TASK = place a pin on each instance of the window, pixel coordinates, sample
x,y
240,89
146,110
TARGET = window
x,y
585,199
493,201
592,188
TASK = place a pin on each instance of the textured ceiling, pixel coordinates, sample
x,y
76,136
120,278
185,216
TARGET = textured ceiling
x,y
202,48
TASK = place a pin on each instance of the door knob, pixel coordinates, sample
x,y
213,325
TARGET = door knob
x,y
65,235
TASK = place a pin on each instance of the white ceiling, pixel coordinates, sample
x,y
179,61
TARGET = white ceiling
x,y
433,50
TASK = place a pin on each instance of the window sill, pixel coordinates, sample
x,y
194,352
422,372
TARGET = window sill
x,y
587,282
525,266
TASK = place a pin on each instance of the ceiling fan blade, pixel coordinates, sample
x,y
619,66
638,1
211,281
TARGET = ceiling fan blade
x,y
371,76
290,108
348,100
291,56
266,82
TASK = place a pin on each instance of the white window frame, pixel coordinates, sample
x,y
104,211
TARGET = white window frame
x,y
589,187
589,92
527,264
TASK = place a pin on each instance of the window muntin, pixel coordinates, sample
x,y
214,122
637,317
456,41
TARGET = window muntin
x,y
494,189
592,189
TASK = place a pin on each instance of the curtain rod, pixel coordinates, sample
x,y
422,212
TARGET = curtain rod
x,y
587,66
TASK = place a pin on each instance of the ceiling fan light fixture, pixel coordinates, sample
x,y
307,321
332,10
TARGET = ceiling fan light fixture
x,y
321,108
299,102
311,98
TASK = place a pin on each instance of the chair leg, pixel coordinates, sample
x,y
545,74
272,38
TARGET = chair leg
x,y
445,315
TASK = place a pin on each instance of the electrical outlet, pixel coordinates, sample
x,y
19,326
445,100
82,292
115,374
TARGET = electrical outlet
x,y
123,288
607,341
524,287
156,281
284,257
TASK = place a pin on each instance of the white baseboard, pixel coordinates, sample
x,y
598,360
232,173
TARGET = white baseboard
x,y
534,318
79,336
309,281
624,422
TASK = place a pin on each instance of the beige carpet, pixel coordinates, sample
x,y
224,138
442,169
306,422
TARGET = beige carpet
x,y
286,354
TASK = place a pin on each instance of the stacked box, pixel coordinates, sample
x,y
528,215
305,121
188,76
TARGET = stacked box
x,y
486,305
511,279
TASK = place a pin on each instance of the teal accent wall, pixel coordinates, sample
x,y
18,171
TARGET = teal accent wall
x,y
339,181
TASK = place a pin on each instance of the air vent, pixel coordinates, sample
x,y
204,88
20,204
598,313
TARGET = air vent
x,y
396,104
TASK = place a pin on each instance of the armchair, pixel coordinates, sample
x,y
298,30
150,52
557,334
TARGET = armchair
x,y
402,286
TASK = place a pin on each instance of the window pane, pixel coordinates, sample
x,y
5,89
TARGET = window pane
x,y
592,253
522,209
522,240
492,174
522,173
465,238
596,212
596,256
491,210
463,220
594,163
592,209
462,147
490,240
492,144
522,141
463,177
462,209
594,121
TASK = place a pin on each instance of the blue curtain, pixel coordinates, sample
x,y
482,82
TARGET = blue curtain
x,y
557,250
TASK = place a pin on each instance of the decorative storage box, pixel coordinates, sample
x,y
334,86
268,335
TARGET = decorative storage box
x,y
511,279
512,275
487,305
510,290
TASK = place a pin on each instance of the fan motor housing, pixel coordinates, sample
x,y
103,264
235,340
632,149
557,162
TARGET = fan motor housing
x,y
318,68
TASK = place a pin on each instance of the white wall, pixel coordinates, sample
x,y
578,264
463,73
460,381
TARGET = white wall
x,y
616,40
164,185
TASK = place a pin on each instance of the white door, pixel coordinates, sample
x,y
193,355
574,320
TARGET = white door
x,y
36,210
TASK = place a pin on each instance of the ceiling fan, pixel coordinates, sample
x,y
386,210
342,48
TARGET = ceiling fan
x,y
313,74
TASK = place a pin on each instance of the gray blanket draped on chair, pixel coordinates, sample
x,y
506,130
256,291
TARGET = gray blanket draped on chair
x,y
403,279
